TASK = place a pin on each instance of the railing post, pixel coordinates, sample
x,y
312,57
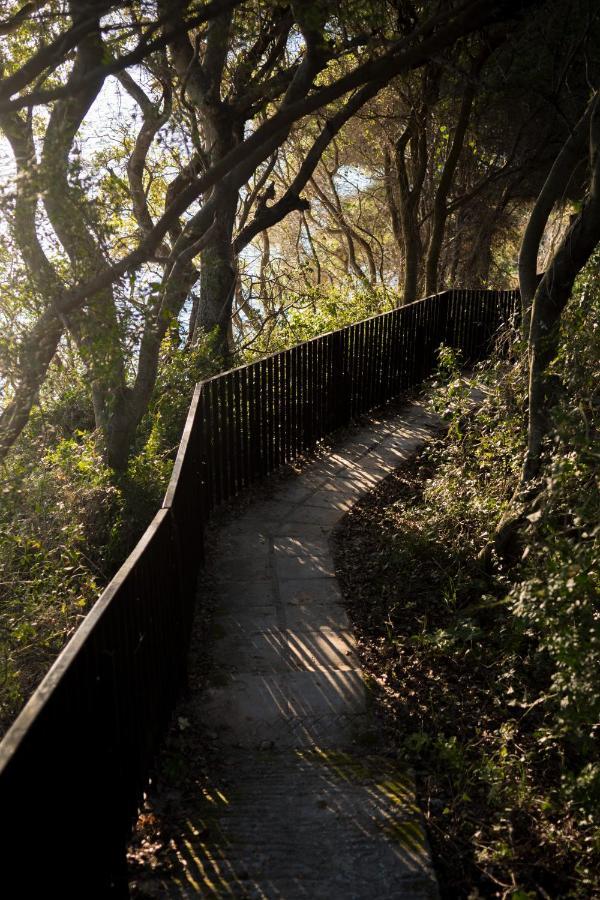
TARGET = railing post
x,y
340,395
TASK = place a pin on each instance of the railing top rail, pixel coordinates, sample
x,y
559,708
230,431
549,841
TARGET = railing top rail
x,y
183,446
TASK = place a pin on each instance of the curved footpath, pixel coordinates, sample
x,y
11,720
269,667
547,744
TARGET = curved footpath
x,y
304,807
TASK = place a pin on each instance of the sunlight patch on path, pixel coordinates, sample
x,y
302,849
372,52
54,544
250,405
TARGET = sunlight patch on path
x,y
302,806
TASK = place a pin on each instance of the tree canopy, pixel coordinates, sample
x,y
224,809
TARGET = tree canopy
x,y
167,161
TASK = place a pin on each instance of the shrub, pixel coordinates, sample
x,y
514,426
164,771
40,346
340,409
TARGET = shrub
x,y
318,312
58,522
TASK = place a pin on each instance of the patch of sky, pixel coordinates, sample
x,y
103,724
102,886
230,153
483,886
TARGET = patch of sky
x,y
351,180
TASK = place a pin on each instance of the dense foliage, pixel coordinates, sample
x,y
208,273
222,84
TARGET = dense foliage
x,y
489,678
67,521
318,311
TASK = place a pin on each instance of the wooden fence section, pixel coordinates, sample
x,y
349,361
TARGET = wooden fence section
x,y
75,764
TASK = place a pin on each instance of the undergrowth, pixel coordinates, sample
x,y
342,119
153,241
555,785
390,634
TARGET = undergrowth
x,y
488,680
67,522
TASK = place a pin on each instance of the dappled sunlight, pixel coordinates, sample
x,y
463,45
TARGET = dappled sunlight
x,y
286,669
296,784
351,801
304,565
322,649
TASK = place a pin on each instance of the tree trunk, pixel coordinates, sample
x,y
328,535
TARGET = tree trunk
x,y
95,328
410,196
479,260
553,189
218,276
413,252
38,348
551,298
482,259
118,433
36,355
393,211
440,203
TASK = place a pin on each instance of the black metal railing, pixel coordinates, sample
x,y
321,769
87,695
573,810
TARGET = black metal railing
x,y
75,764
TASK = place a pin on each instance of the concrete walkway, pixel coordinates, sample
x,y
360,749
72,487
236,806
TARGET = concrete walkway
x,y
304,807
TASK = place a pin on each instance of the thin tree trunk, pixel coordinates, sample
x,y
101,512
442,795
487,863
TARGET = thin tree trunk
x,y
553,189
413,252
480,258
37,350
36,355
393,209
551,298
440,204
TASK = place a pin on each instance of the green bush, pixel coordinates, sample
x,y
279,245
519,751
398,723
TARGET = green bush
x,y
549,629
67,522
318,312
58,524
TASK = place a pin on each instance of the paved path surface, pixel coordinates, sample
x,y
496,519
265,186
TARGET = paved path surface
x,y
307,809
